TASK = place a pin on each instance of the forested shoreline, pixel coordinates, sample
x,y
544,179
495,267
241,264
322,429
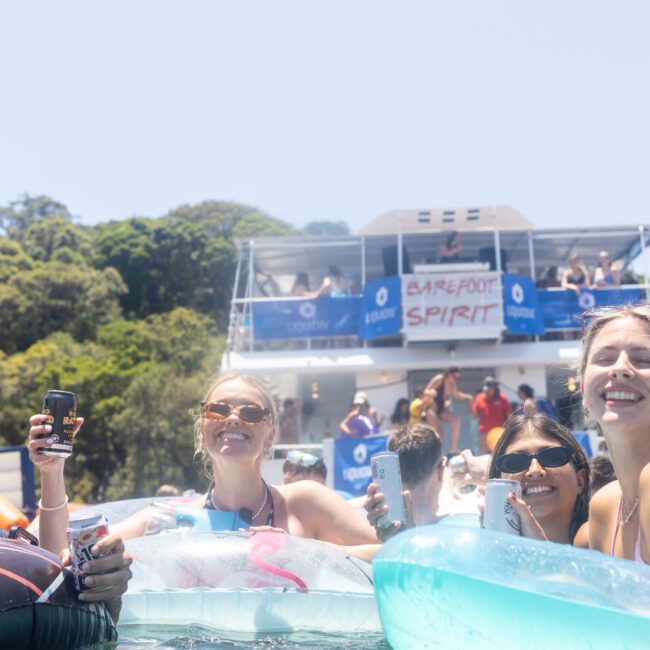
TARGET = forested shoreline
x,y
130,315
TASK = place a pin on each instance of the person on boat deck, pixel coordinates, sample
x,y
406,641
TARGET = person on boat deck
x,y
492,409
419,406
300,286
552,468
615,374
111,571
545,406
576,277
359,422
400,415
334,284
441,389
605,274
234,431
549,279
451,249
422,465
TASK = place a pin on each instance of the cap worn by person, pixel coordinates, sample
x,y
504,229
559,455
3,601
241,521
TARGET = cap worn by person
x,y
360,398
490,381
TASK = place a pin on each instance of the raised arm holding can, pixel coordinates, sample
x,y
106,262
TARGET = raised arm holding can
x,y
50,443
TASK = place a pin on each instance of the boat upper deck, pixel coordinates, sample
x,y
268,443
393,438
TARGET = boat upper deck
x,y
498,244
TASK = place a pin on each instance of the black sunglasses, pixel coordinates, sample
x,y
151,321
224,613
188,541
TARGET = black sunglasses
x,y
520,461
251,413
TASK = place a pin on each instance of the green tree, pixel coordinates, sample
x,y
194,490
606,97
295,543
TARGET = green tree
x,y
56,297
167,263
327,228
18,215
260,225
217,218
45,239
12,259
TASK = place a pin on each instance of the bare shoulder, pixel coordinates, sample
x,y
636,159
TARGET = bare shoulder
x,y
305,492
644,479
581,540
602,516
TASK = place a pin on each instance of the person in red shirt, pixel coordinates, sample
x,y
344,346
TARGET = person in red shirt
x,y
492,410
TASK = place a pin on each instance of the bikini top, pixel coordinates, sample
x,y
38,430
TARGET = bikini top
x,y
637,544
576,279
210,505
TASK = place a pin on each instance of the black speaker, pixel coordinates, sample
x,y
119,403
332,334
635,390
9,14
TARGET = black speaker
x,y
488,254
389,257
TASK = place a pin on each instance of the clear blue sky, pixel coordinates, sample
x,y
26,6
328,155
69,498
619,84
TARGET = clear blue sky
x,y
336,110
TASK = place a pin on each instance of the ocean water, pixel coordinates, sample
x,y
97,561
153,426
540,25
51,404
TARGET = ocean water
x,y
200,638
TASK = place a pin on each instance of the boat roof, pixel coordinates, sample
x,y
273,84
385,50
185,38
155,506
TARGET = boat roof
x,y
465,219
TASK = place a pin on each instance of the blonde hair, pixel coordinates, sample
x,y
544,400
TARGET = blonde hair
x,y
223,378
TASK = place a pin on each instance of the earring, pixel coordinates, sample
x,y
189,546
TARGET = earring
x,y
269,452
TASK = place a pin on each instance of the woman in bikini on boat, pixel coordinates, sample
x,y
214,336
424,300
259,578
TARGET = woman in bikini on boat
x,y
615,371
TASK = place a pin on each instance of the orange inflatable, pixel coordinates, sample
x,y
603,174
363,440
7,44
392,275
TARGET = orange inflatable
x,y
11,516
492,437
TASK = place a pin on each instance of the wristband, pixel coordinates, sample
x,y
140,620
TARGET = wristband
x,y
46,509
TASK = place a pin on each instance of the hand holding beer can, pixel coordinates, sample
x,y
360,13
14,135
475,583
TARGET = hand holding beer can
x,y
84,531
60,409
388,479
500,515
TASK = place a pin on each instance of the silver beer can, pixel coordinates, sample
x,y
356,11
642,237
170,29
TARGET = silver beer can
x,y
457,465
388,479
499,514
84,531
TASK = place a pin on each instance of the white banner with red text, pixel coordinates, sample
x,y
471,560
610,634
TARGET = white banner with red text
x,y
446,306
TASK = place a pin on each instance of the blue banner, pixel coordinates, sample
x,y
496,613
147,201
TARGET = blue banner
x,y
382,308
522,312
584,441
298,319
562,308
352,463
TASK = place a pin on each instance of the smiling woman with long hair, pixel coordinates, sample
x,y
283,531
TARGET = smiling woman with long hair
x,y
235,428
615,371
553,471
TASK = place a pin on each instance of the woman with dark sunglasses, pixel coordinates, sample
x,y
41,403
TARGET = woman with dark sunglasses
x,y
235,429
553,471
615,372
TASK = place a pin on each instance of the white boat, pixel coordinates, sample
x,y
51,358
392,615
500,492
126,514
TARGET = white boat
x,y
452,311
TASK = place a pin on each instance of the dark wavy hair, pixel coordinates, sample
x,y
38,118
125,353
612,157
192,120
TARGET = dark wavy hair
x,y
533,421
398,417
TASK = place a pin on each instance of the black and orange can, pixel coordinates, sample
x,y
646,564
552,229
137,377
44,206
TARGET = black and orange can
x,y
60,409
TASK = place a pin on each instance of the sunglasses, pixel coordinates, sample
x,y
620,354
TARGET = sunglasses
x,y
251,413
520,461
302,458
592,314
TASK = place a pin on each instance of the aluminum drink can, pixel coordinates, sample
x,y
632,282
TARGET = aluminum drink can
x,y
499,514
388,479
457,465
60,407
84,531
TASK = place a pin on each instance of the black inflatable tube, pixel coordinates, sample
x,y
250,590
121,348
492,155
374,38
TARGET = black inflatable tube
x,y
60,621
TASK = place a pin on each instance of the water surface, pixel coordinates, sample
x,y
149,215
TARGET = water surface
x,y
195,637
